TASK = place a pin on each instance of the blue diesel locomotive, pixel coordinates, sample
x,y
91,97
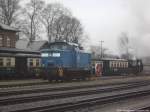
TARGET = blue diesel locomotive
x,y
65,61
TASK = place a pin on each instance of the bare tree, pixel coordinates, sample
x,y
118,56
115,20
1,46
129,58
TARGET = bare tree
x,y
68,28
49,16
96,52
9,11
60,25
31,22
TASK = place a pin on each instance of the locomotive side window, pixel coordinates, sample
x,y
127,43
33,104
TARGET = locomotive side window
x,y
134,63
1,62
64,47
139,63
56,54
44,54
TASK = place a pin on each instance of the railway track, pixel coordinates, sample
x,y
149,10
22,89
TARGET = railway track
x,y
90,102
65,93
50,88
113,92
145,108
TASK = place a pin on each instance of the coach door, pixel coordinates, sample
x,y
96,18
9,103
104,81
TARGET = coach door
x,y
21,65
98,68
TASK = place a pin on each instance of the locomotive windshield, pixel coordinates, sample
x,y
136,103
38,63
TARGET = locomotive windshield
x,y
59,47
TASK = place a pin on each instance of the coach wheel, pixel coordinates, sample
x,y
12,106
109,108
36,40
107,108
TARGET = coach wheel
x,y
60,72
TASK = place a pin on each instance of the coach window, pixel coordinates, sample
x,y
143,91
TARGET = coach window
x,y
122,64
127,64
37,62
31,62
12,62
1,41
119,64
110,64
8,42
1,62
8,62
113,64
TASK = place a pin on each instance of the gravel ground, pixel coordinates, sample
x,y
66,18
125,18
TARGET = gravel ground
x,y
65,100
59,92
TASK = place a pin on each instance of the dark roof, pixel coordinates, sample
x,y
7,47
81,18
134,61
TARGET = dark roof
x,y
15,50
6,27
18,52
19,55
35,45
22,43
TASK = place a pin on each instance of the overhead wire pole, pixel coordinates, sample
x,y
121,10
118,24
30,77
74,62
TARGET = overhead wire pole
x,y
101,44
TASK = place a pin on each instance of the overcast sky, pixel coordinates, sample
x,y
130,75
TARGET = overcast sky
x,y
106,19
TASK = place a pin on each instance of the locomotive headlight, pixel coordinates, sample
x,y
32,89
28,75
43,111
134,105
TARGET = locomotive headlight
x,y
44,54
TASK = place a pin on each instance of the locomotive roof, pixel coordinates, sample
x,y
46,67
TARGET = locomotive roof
x,y
76,46
67,43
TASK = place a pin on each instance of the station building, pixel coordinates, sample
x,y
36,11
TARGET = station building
x,y
12,57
